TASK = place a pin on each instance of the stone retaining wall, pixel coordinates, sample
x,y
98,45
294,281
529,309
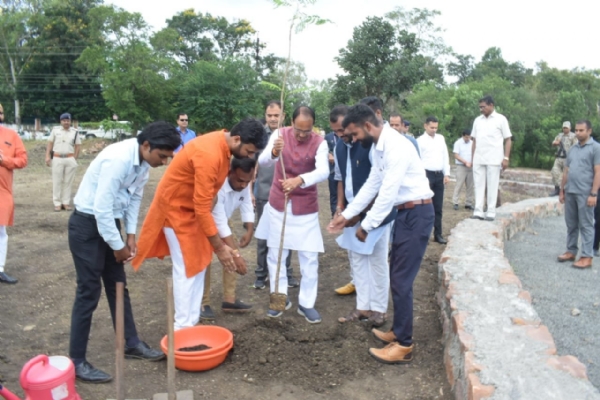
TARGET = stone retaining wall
x,y
496,346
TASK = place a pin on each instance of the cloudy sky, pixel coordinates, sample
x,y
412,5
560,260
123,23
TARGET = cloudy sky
x,y
565,36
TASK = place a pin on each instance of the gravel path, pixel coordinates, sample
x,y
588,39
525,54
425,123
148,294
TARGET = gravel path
x,y
559,291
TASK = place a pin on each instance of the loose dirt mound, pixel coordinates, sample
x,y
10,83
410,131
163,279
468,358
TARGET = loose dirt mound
x,y
315,358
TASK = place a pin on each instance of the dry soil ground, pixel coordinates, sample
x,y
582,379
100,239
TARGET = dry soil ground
x,y
286,358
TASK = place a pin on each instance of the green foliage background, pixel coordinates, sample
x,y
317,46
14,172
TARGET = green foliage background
x,y
95,60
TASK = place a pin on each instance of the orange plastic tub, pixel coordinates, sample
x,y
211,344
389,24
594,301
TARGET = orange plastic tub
x,y
219,339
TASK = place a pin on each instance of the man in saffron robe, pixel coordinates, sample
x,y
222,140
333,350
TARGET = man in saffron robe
x,y
180,223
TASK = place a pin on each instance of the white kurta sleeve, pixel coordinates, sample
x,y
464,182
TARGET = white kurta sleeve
x,y
337,175
220,216
321,171
246,208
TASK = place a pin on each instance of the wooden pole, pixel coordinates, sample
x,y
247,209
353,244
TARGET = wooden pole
x,y
170,341
120,343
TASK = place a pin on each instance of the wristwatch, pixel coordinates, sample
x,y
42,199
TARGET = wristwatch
x,y
593,194
506,158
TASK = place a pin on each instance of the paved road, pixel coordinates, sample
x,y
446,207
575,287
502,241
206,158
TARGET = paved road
x,y
557,288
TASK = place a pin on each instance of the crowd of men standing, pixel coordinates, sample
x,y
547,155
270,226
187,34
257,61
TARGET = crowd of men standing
x,y
386,199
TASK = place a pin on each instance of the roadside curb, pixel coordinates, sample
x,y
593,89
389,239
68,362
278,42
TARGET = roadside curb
x,y
495,345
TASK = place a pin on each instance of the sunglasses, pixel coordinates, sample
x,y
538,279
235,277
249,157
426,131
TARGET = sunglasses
x,y
183,120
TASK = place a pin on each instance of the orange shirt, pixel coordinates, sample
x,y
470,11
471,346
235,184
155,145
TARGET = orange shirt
x,y
183,201
14,156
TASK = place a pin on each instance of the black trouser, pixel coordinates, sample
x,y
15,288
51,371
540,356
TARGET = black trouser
x,y
94,261
411,235
436,184
333,184
262,271
597,224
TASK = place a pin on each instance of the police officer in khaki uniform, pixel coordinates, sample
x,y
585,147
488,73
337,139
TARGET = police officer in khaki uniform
x,y
563,141
65,143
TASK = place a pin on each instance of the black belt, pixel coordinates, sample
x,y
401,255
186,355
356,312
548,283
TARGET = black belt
x,y
435,172
84,215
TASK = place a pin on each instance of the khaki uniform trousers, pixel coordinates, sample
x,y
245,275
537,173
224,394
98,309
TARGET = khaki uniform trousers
x,y
229,285
63,174
464,176
557,170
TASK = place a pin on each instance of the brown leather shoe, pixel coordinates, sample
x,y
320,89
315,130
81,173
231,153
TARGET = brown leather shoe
x,y
568,256
583,262
393,353
386,337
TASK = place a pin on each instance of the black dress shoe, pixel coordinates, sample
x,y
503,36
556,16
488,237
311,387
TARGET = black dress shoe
x,y
440,239
468,207
86,372
144,352
456,207
7,279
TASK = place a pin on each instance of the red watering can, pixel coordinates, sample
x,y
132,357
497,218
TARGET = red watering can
x,y
46,378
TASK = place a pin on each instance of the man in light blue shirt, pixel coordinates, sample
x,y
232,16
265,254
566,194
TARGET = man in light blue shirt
x,y
111,190
182,128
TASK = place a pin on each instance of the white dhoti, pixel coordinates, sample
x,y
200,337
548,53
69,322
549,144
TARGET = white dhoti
x,y
370,268
303,234
187,292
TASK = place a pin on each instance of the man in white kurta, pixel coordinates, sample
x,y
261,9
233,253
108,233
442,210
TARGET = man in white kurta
x,y
490,157
302,230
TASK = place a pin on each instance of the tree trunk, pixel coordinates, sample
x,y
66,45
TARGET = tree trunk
x,y
17,113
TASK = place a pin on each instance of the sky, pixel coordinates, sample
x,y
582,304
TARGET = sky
x,y
528,31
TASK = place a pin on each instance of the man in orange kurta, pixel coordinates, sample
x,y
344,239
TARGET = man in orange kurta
x,y
180,223
12,156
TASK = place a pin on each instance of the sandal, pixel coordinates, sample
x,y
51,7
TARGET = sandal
x,y
355,315
58,208
66,207
377,318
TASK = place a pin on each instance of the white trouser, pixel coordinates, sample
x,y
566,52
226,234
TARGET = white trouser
x,y
3,247
372,276
351,269
481,175
309,269
187,292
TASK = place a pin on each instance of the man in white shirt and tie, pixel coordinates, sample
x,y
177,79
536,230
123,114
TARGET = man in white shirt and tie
x,y
397,179
111,189
434,154
234,194
463,154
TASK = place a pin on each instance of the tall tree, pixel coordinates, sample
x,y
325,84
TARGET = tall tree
x,y
53,83
133,75
191,36
16,50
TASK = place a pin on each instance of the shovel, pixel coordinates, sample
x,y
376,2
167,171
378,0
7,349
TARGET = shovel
x,y
277,300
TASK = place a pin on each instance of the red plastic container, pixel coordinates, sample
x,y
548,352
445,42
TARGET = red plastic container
x,y
49,378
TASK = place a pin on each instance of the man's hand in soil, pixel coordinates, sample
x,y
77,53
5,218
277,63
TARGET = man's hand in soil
x,y
240,264
123,254
337,224
225,254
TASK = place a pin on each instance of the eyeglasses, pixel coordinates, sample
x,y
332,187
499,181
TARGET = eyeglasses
x,y
183,120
